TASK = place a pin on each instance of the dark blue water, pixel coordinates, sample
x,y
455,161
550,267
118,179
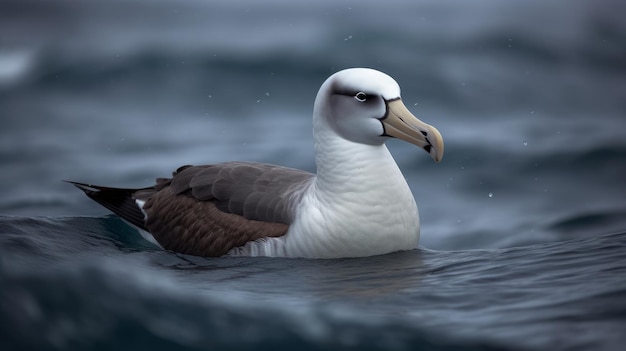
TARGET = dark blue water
x,y
523,222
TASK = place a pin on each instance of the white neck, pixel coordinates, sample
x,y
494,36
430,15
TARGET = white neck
x,y
359,204
347,167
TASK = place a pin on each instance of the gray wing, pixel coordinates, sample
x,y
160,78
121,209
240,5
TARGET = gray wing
x,y
208,210
256,191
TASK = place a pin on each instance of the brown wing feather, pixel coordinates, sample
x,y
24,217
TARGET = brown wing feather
x,y
208,210
256,191
183,224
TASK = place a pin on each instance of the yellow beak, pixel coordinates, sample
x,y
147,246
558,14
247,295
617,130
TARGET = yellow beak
x,y
400,123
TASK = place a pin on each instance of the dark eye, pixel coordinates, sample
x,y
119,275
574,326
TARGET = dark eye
x,y
361,96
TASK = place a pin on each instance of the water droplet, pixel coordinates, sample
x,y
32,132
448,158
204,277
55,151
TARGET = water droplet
x,y
490,194
525,143
267,94
259,100
348,38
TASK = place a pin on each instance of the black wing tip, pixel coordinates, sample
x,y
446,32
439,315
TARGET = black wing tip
x,y
120,201
97,188
87,188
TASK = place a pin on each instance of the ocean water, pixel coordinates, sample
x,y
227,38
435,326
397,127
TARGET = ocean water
x,y
523,243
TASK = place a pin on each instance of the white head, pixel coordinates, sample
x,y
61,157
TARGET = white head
x,y
363,105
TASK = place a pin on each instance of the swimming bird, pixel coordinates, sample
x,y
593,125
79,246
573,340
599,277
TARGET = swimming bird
x,y
357,204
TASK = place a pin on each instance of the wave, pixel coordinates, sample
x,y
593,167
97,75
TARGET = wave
x,y
93,283
83,282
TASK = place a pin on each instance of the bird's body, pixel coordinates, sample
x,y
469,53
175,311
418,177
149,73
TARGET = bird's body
x,y
357,204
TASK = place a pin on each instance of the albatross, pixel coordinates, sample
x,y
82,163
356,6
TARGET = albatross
x,y
357,204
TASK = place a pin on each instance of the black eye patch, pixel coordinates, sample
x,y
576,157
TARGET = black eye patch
x,y
356,94
361,96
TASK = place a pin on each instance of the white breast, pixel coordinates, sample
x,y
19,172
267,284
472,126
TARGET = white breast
x,y
361,206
